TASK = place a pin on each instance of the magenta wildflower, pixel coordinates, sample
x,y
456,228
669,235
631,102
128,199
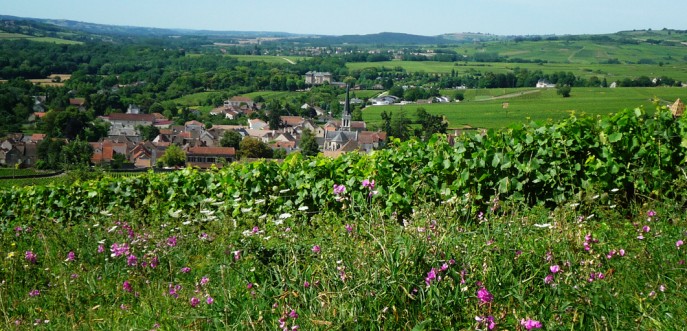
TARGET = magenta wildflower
x,y
204,280
339,189
306,284
316,249
530,324
646,228
34,293
173,290
621,252
349,228
123,307
126,286
256,229
31,257
554,269
237,255
293,314
431,276
74,276
70,256
194,302
172,241
185,270
369,184
249,286
486,320
548,279
444,267
119,249
101,248
651,213
132,260
484,295
154,262
209,300
679,243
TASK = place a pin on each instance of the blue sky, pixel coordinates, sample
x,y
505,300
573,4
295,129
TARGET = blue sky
x,y
431,17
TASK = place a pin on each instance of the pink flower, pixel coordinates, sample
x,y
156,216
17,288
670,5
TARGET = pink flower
x,y
119,250
349,228
488,320
293,314
237,255
548,279
431,276
256,229
651,213
554,268
646,228
132,260
209,300
369,184
126,286
249,286
339,189
194,302
172,241
679,243
31,257
530,324
316,249
204,280
484,295
444,267
306,284
185,270
621,252
34,293
70,256
101,248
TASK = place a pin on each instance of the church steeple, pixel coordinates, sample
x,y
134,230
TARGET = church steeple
x,y
346,118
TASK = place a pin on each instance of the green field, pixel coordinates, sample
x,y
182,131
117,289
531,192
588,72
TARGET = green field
x,y
538,105
611,72
14,36
267,58
196,99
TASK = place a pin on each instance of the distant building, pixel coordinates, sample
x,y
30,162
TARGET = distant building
x,y
317,78
542,83
677,108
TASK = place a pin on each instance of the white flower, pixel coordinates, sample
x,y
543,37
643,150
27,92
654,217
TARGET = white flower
x,y
186,223
112,229
261,201
284,216
545,225
175,214
615,190
246,210
284,190
303,208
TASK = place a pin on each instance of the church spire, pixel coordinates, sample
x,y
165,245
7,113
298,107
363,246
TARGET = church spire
x,y
346,118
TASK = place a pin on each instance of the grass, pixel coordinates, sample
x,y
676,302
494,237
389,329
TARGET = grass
x,y
196,99
539,106
354,268
13,36
612,72
45,181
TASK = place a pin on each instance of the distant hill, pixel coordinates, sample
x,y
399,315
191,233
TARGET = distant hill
x,y
385,38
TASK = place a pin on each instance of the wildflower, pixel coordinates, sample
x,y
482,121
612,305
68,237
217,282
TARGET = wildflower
x,y
154,262
173,290
651,213
621,252
249,286
30,256
306,284
646,228
101,248
293,314
530,324
662,288
132,260
488,320
431,276
194,302
34,293
119,250
349,228
209,300
237,255
679,243
255,230
70,256
339,189
554,269
548,279
172,241
369,184
204,280
484,295
444,267
126,286
74,276
123,307
185,270
316,249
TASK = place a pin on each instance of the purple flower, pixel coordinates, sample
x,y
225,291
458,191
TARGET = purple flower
x,y
101,248
646,228
484,295
126,286
119,250
185,270
293,314
256,229
306,284
349,228
339,189
172,241
548,279
554,269
237,255
30,256
132,260
70,256
431,276
154,262
194,302
74,276
204,280
621,252
651,213
488,320
444,267
530,324
34,293
173,290
316,249
209,300
249,286
369,184
679,243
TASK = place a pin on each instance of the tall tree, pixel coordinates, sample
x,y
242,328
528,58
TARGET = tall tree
x,y
231,138
253,148
174,157
430,124
309,145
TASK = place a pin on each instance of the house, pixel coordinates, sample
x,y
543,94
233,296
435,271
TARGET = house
x,y
257,124
125,124
78,103
542,83
194,126
317,78
104,151
133,109
237,101
205,157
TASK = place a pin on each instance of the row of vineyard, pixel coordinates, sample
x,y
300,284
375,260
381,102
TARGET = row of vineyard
x,y
635,153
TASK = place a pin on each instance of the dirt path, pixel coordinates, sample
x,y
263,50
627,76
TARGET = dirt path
x,y
511,95
289,61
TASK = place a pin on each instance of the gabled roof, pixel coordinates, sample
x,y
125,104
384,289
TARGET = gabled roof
x,y
211,151
131,117
241,99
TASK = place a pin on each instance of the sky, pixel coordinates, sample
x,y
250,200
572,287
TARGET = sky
x,y
326,17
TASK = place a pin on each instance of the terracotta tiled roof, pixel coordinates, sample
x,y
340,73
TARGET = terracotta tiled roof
x,y
241,99
212,150
77,101
131,117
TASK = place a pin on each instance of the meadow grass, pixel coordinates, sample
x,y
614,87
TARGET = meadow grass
x,y
267,58
580,266
541,105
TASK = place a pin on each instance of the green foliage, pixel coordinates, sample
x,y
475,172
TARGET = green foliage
x,y
308,144
253,148
231,138
149,132
563,90
174,157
